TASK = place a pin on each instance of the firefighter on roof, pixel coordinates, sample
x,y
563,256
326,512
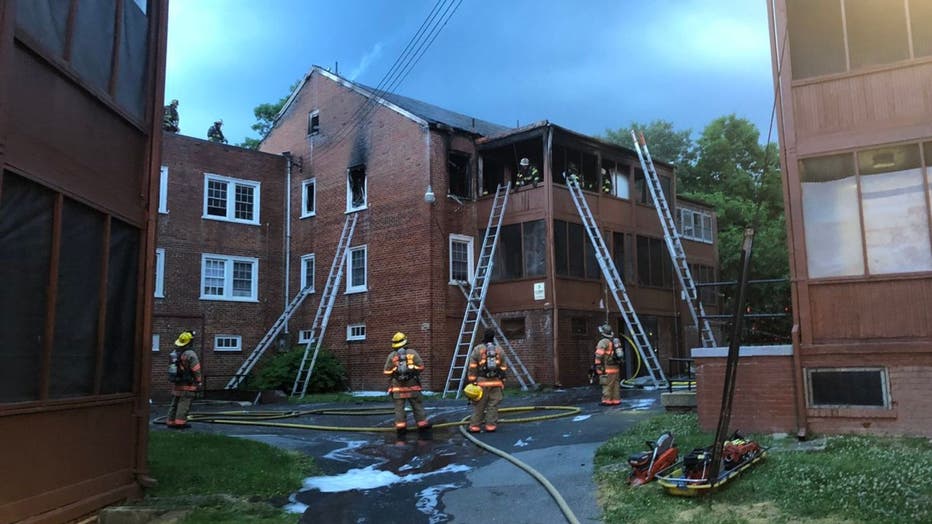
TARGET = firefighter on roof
x,y
487,370
170,117
215,134
184,372
403,367
609,356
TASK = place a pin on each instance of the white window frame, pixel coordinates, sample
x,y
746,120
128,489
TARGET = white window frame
x,y
228,278
356,332
156,339
231,198
310,118
304,336
160,273
692,216
163,190
349,191
305,259
305,213
469,241
350,288
238,348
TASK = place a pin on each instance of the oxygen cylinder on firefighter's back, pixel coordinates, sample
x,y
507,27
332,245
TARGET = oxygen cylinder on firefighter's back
x,y
173,366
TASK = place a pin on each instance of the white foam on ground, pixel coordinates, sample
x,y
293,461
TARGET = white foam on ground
x,y
295,506
371,478
640,404
345,454
428,499
523,442
580,418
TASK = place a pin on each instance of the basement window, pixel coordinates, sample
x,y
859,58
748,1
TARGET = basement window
x,y
313,122
228,343
304,336
355,332
847,387
458,174
513,328
356,188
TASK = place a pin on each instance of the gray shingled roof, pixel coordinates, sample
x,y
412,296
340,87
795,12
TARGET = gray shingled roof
x,y
439,115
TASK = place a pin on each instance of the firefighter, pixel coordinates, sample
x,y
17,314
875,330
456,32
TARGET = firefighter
x,y
608,361
571,174
403,369
215,134
487,370
170,117
185,374
606,182
526,174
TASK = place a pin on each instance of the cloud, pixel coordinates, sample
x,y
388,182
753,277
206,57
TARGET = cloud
x,y
367,59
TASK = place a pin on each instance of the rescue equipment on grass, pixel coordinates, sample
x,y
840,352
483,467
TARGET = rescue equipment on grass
x,y
645,465
691,476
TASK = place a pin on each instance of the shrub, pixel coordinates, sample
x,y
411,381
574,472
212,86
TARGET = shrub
x,y
279,372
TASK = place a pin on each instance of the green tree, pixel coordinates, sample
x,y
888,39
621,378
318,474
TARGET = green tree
x,y
265,118
665,143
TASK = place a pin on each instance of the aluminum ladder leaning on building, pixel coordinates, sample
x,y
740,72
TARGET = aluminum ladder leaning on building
x,y
488,321
616,286
475,301
319,327
672,238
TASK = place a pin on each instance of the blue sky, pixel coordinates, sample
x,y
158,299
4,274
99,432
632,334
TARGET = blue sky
x,y
584,64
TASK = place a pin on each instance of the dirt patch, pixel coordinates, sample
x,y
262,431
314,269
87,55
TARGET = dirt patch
x,y
759,513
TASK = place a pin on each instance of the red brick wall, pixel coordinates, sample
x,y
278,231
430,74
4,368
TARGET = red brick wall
x,y
185,236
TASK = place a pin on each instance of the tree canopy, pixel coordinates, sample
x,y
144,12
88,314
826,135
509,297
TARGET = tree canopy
x,y
265,118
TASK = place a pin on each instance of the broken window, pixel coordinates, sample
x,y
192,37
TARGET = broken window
x,y
458,172
313,122
356,188
493,174
513,328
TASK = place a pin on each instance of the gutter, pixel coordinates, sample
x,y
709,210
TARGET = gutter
x,y
287,239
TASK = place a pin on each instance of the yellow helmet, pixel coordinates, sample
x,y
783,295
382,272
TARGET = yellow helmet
x,y
473,392
399,340
184,339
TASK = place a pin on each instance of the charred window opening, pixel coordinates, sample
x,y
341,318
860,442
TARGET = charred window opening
x,y
356,188
513,328
493,175
574,255
313,122
615,180
458,174
568,161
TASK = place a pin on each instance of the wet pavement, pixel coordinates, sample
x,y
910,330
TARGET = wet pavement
x,y
442,477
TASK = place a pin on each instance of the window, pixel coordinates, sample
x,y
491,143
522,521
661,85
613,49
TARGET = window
x,y
458,173
309,198
155,342
356,270
696,225
304,336
307,272
521,251
704,274
574,255
356,332
228,343
356,188
877,33
832,221
847,387
817,40
163,190
920,17
160,273
618,254
534,240
461,258
313,122
229,278
231,199
654,265
617,174
513,328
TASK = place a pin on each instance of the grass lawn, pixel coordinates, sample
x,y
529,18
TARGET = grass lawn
x,y
853,479
224,479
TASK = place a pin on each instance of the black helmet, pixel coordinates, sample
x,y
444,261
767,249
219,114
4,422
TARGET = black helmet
x,y
606,331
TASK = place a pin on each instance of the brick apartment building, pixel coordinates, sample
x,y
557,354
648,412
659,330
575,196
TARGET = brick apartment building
x,y
855,116
421,179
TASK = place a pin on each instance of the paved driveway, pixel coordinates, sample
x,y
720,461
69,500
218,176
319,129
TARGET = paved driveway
x,y
372,478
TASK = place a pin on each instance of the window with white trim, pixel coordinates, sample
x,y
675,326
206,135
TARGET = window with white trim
x,y
696,225
304,336
163,190
231,199
155,341
461,258
229,278
313,122
356,188
356,332
307,272
228,343
160,273
309,198
356,270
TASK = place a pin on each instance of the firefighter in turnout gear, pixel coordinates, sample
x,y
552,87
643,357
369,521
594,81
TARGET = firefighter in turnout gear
x,y
403,369
170,117
185,374
487,370
609,356
526,174
215,134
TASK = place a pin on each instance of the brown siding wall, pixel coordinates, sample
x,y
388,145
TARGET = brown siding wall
x,y
851,310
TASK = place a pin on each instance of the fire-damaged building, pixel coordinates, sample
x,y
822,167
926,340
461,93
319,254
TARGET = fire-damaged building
x,y
80,119
241,232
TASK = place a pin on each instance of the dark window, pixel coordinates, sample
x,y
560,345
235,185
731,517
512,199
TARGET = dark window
x,y
535,249
654,265
25,248
590,172
920,16
876,33
458,174
313,122
132,59
576,246
509,263
840,388
701,274
593,271
119,341
641,191
46,21
356,182
513,328
560,248
92,46
618,253
579,326
817,41
493,174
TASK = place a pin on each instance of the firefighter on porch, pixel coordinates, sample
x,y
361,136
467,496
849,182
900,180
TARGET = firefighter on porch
x,y
526,174
609,357
184,372
487,370
403,368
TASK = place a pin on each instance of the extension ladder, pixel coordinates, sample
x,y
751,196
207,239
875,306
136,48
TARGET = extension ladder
x,y
475,301
268,339
488,321
617,287
674,245
319,327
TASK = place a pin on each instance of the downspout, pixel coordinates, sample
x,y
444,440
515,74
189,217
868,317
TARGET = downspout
x,y
429,199
287,240
548,183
